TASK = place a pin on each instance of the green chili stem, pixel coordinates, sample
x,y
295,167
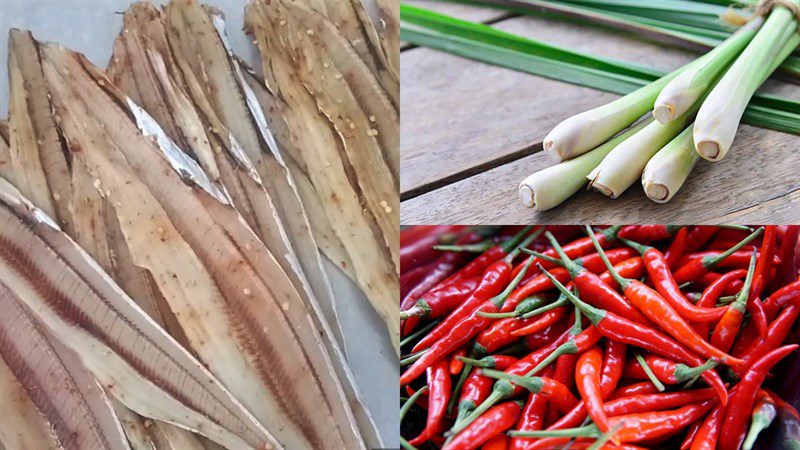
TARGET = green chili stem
x,y
649,372
418,333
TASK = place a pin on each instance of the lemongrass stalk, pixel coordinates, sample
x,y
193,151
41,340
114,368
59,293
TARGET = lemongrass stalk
x,y
585,131
719,117
684,90
624,165
550,187
668,169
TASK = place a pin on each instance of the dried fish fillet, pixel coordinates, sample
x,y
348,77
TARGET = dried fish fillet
x,y
5,153
200,64
23,425
348,159
66,400
262,313
134,359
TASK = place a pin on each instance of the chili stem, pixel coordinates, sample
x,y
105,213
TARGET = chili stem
x,y
598,444
410,359
622,282
711,261
589,431
410,402
562,300
649,372
533,384
542,256
404,443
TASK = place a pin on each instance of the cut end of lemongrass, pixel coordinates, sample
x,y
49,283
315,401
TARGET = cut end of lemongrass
x,y
656,192
552,149
709,150
527,196
664,113
603,189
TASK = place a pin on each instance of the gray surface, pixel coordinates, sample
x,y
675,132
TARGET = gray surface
x,y
90,28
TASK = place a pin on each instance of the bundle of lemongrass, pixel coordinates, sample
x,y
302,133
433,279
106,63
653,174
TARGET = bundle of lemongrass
x,y
696,111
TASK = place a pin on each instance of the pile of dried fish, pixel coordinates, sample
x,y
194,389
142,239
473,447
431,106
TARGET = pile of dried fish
x,y
161,225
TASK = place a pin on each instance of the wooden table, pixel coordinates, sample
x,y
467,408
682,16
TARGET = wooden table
x,y
470,132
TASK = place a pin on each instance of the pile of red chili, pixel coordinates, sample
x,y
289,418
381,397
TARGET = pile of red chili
x,y
623,337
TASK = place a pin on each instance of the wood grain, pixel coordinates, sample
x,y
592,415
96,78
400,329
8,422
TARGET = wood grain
x,y
471,132
755,182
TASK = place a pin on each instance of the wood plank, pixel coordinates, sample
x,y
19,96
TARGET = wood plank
x,y
460,117
756,182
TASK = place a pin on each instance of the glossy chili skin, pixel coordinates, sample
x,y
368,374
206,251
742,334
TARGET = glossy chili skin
x,y
421,252
689,438
496,420
699,236
647,233
613,367
445,267
787,271
499,442
631,333
782,297
411,235
603,296
441,301
738,412
494,280
477,386
532,417
764,262
535,285
587,379
439,391
534,324
778,331
660,312
456,365
676,248
630,268
668,372
728,327
712,293
708,433
666,285
738,260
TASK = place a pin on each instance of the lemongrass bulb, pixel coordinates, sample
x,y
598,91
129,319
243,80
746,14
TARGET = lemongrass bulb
x,y
668,169
625,163
719,116
550,187
680,94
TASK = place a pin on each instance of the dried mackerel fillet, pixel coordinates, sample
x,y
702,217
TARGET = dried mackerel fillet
x,y
5,154
344,137
145,69
200,60
48,399
132,358
280,371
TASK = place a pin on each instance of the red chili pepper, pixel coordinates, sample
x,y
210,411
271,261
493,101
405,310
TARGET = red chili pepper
x,y
564,373
456,365
777,333
787,271
635,404
743,396
709,279
666,371
647,233
712,293
662,312
556,393
420,252
545,337
782,297
439,302
422,401
499,442
477,386
445,266
494,279
590,285
781,404
689,438
410,235
536,285
764,264
615,327
543,321
738,260
665,284
634,389
500,333
613,366
438,395
635,427
462,332
587,377
676,248
708,433
580,247
532,417
728,327
630,268
699,236
697,268
495,421
491,284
